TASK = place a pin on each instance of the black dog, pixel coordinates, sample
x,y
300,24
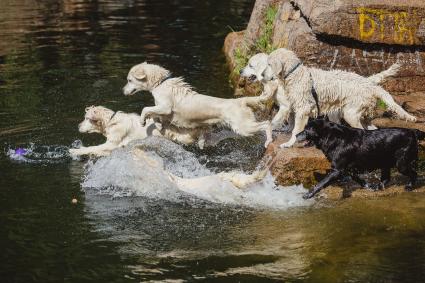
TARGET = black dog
x,y
352,151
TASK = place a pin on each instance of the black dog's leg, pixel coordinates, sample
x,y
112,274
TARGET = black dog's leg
x,y
335,174
385,177
361,182
409,171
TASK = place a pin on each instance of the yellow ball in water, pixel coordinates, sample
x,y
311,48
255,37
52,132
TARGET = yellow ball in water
x,y
74,201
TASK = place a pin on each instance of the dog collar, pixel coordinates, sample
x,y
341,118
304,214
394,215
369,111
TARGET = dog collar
x,y
292,70
164,79
113,115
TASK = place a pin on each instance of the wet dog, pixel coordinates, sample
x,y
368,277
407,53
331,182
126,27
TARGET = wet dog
x,y
311,89
177,103
352,151
257,64
237,180
121,128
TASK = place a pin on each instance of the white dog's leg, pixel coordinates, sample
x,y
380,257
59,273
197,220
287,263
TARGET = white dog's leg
x,y
201,140
268,129
98,150
301,120
352,117
157,110
281,116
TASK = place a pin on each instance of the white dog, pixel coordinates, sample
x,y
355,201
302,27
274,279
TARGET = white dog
x,y
253,72
236,179
353,96
121,128
177,103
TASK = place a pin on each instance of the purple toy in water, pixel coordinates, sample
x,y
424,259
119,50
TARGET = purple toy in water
x,y
20,151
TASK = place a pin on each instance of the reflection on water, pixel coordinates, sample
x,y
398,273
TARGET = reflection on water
x,y
57,57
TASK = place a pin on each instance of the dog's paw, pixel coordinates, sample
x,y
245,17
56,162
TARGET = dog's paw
x,y
308,195
267,143
374,187
408,188
286,144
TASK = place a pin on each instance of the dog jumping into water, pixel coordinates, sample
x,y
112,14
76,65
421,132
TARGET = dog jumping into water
x,y
178,104
120,128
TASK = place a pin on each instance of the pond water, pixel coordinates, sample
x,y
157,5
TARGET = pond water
x,y
56,58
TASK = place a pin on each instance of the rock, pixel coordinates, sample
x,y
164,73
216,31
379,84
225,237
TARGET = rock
x,y
231,42
378,21
354,35
339,192
296,165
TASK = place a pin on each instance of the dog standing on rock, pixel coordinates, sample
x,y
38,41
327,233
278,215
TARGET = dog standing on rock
x,y
352,151
253,72
178,104
310,89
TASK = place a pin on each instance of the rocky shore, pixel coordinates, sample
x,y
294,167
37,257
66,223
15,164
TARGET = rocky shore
x,y
358,36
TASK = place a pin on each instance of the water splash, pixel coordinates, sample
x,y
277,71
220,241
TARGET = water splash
x,y
39,154
121,175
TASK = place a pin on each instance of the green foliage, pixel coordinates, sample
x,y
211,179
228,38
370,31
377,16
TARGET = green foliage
x,y
241,59
263,43
381,104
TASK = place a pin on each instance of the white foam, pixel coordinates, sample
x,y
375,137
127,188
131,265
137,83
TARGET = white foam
x,y
121,174
39,153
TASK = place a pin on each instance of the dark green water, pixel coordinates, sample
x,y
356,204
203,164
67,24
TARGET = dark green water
x,y
56,58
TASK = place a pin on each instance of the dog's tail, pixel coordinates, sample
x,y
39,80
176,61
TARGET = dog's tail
x,y
258,101
420,135
382,76
392,106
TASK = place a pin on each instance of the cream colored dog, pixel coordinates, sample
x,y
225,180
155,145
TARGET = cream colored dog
x,y
353,96
237,179
121,128
253,72
177,103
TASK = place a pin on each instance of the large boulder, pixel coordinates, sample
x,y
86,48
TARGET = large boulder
x,y
359,37
365,37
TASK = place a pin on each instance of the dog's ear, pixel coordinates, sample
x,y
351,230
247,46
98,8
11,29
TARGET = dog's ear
x,y
139,74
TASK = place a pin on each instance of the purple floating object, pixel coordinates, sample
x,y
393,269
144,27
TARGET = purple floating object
x,y
20,151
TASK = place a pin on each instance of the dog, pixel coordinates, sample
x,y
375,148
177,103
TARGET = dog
x,y
120,128
256,65
312,90
178,104
237,180
352,151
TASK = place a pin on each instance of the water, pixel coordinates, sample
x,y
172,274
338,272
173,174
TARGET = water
x,y
56,58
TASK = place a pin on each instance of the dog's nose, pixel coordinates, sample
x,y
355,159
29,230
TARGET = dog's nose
x,y
240,71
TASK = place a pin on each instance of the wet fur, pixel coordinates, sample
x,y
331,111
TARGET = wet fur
x,y
353,96
122,128
239,180
253,72
178,104
352,151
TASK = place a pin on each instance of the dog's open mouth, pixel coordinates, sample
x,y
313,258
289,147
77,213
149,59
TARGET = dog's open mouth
x,y
133,91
